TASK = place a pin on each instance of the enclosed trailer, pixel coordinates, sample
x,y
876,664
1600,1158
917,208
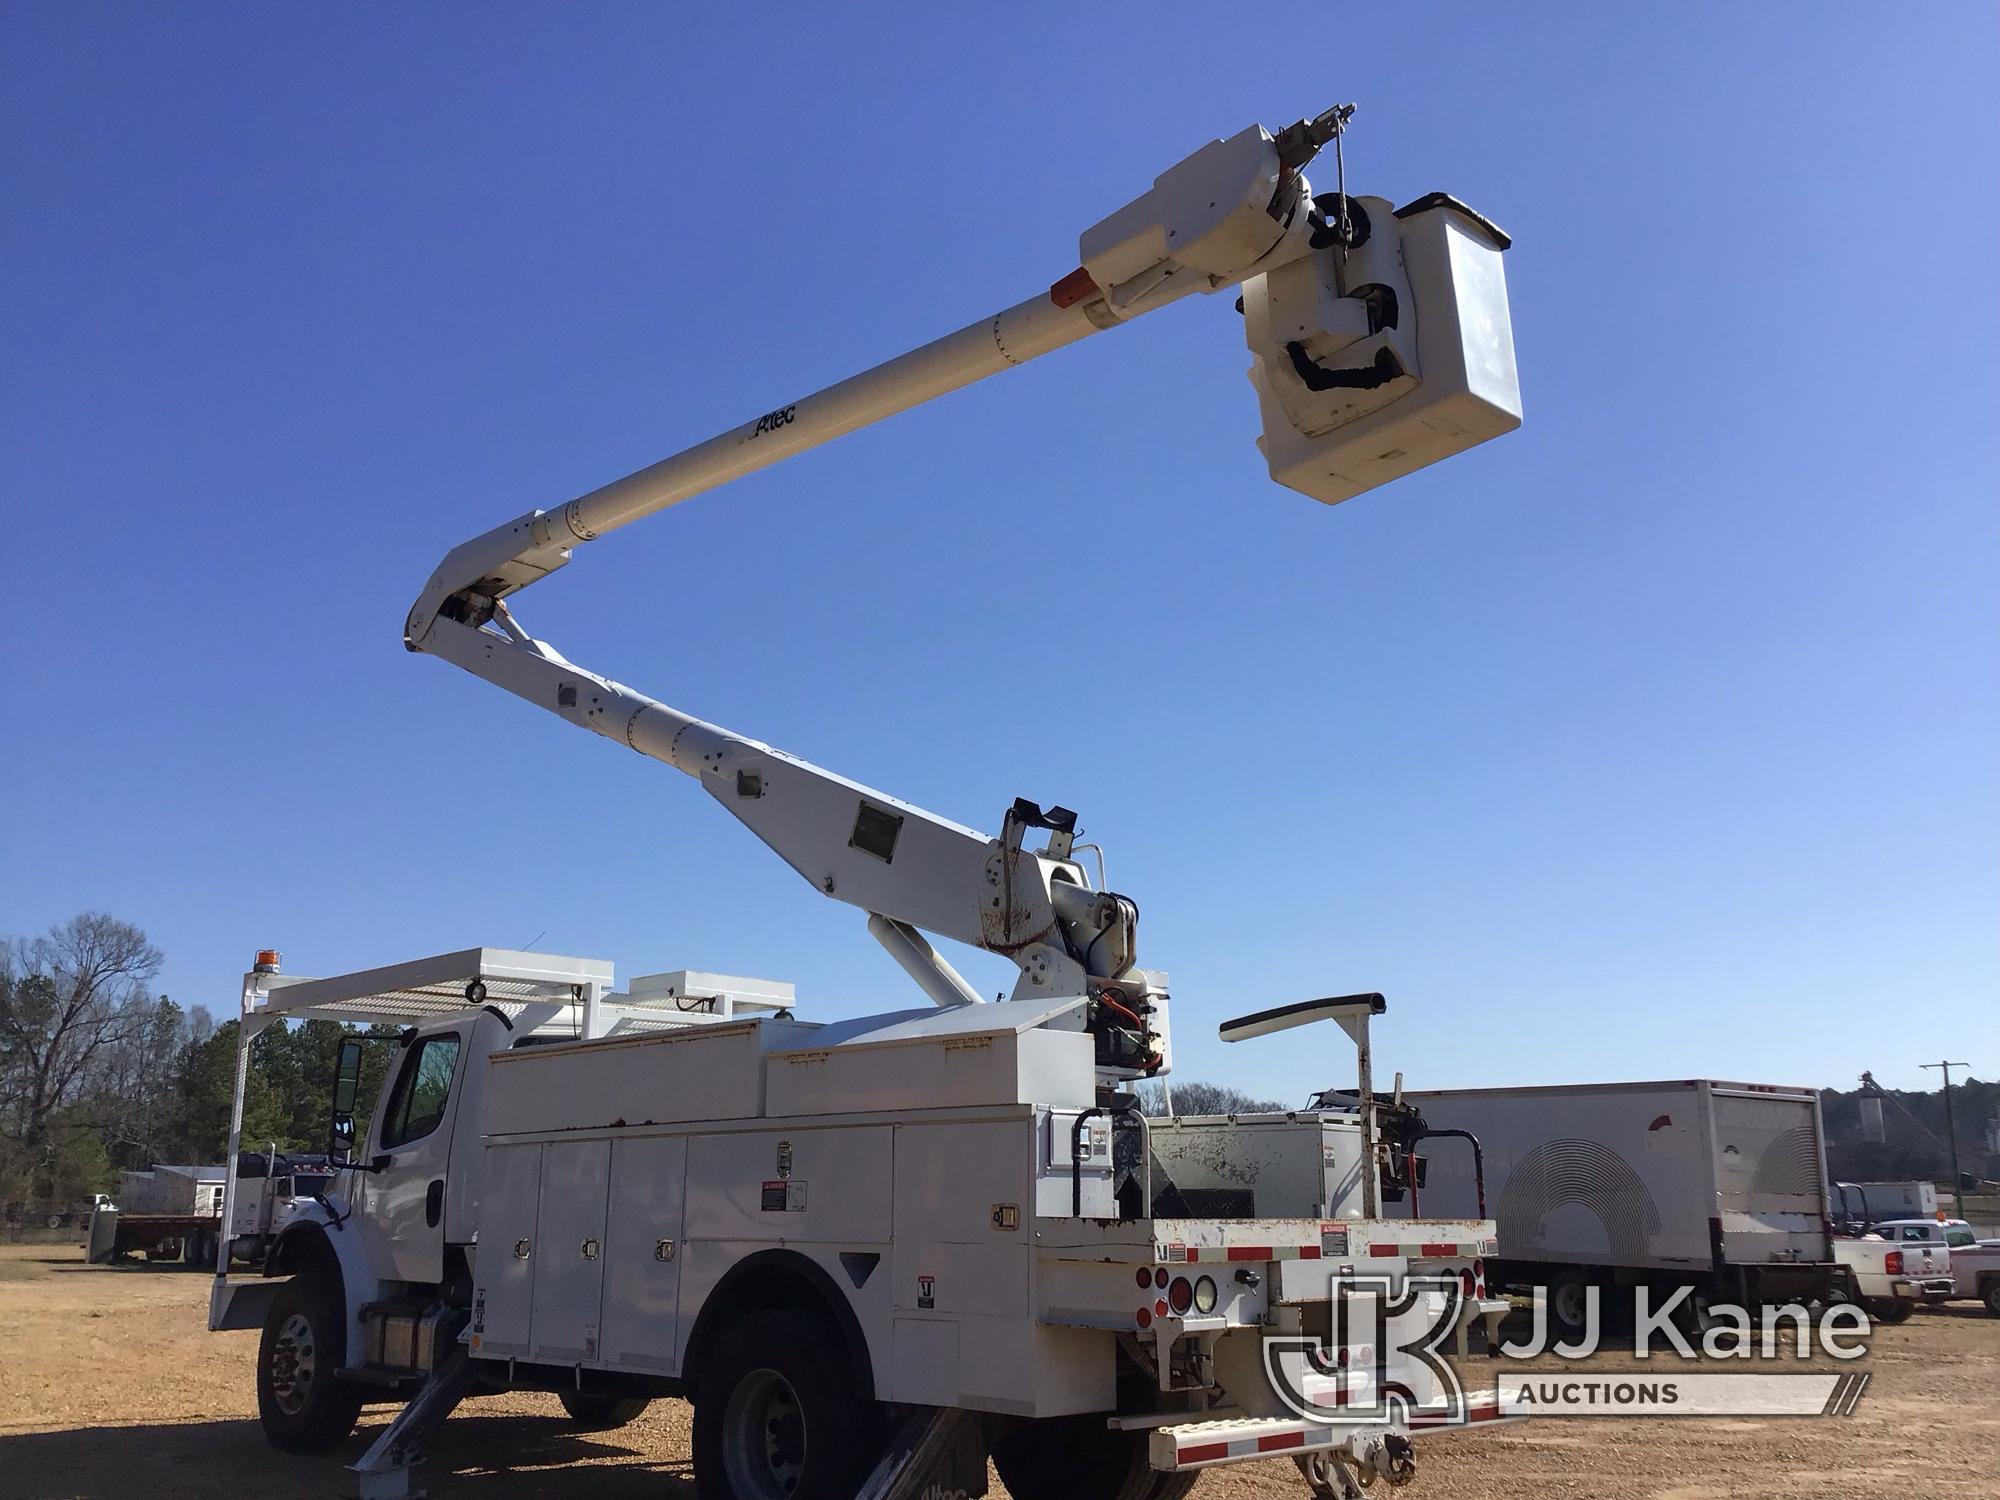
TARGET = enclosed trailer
x,y
1692,1182
1900,1200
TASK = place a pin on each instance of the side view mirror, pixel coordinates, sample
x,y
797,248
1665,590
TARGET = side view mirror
x,y
340,1140
346,1090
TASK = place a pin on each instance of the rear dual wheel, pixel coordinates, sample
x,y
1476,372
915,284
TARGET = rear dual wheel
x,y
779,1415
1079,1458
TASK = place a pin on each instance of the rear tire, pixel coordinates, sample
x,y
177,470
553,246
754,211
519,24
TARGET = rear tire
x,y
1694,1315
302,1407
1990,1295
1079,1458
1569,1306
778,1414
594,1413
1890,1309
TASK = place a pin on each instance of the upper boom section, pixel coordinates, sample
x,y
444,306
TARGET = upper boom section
x,y
1380,342
1232,207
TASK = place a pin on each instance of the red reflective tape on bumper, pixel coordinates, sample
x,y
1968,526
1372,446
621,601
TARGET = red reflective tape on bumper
x,y
1436,1251
1251,1252
1201,1453
1308,1252
1278,1441
1385,1250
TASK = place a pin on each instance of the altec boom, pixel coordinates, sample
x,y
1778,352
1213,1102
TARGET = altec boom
x,y
874,1250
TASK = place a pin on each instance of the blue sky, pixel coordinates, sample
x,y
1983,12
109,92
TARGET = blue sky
x,y
1656,739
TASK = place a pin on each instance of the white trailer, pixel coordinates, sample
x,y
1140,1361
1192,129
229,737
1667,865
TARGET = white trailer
x,y
1693,1182
816,1231
168,1189
1899,1200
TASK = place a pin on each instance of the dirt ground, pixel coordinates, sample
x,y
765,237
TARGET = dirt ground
x,y
110,1386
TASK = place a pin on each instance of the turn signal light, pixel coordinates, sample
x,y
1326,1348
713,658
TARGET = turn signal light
x,y
1204,1295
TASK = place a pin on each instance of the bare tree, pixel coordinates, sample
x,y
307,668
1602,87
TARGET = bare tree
x,y
1199,1098
64,998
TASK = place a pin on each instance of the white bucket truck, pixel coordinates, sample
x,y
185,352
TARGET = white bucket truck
x,y
817,1232
873,1250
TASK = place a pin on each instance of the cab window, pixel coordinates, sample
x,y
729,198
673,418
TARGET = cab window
x,y
1915,1232
422,1089
1959,1238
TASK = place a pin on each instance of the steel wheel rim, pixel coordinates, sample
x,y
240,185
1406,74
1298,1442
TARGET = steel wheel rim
x,y
764,1437
1570,1303
292,1362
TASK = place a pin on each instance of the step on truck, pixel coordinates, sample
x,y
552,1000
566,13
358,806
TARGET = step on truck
x,y
872,1250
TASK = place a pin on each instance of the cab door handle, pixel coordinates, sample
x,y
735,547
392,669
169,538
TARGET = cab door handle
x,y
434,1203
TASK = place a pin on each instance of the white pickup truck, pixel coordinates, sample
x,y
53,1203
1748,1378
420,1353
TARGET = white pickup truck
x,y
1954,1246
1887,1275
1975,1272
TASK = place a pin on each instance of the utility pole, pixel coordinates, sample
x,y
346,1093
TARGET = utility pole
x,y
1951,1135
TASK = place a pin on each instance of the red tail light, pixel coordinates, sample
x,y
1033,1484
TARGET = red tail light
x,y
1479,1277
1181,1294
1893,1263
1469,1282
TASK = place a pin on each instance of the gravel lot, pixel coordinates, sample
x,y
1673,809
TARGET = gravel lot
x,y
110,1387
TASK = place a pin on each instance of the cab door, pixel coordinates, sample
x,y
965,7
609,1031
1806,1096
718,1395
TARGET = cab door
x,y
402,1217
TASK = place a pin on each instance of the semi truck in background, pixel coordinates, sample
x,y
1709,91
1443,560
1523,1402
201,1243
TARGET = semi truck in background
x,y
1713,1186
175,1213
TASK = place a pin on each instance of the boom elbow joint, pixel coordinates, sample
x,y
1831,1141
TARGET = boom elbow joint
x,y
476,575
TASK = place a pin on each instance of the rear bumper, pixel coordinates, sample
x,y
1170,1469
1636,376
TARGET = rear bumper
x,y
1927,1288
1209,1445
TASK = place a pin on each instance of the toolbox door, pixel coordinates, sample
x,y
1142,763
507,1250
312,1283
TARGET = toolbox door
x,y
642,1255
569,1253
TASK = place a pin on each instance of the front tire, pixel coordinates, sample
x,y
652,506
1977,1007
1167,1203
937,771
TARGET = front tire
x,y
1079,1458
1990,1295
589,1412
778,1415
302,1407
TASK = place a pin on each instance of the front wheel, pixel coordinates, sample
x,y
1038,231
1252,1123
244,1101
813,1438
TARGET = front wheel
x,y
777,1415
1990,1295
303,1408
1079,1458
